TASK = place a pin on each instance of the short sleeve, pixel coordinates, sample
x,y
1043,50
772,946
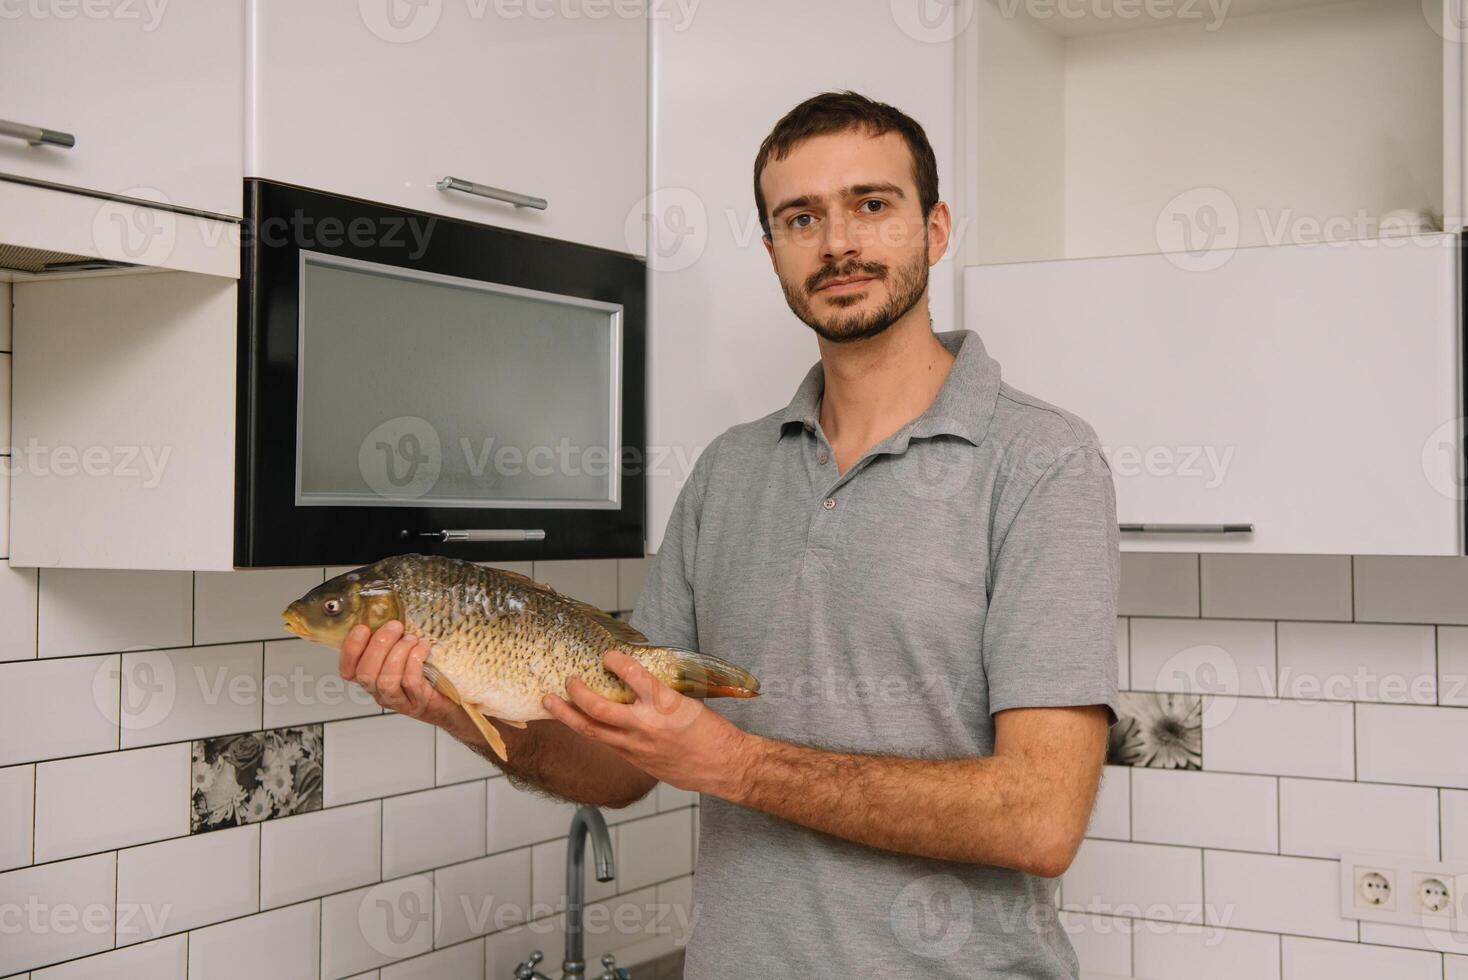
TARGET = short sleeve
x,y
1050,631
664,612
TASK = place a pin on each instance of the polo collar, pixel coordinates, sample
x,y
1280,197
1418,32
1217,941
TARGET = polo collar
x,y
963,407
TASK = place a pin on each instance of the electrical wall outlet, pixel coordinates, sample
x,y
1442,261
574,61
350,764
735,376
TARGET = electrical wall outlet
x,y
1404,889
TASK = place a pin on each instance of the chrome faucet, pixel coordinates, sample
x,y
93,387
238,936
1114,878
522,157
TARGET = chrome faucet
x,y
587,820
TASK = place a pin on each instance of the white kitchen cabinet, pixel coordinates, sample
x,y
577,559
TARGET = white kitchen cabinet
x,y
724,347
153,94
381,101
1197,125
1312,391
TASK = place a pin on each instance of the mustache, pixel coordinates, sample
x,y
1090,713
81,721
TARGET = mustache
x,y
827,275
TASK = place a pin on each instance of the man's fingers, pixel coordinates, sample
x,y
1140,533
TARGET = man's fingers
x,y
415,686
370,665
394,667
578,721
598,707
633,674
351,651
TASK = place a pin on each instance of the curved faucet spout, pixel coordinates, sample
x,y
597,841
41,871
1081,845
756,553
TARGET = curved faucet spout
x,y
587,820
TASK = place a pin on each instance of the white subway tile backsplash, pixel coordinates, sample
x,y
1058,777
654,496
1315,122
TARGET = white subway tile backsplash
x,y
1285,738
1455,968
17,813
504,951
313,854
1310,959
671,797
644,807
1357,662
626,926
548,875
482,896
1323,818
1455,824
1203,953
188,882
302,686
1103,943
1112,814
1277,586
1204,809
1415,937
517,818
161,959
654,849
194,692
455,762
1452,666
676,897
371,757
85,610
592,580
17,611
462,962
246,604
1410,744
67,909
102,802
1158,585
371,926
1275,894
432,828
1397,589
1211,656
283,944
631,579
1116,878
69,707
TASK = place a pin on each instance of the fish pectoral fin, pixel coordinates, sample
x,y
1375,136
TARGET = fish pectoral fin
x,y
490,733
517,724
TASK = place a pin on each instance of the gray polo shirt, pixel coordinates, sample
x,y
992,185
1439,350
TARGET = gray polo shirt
x,y
966,564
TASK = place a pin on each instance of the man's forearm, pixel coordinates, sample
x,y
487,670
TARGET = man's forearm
x,y
549,756
975,810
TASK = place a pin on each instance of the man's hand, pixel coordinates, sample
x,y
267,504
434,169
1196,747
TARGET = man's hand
x,y
389,666
677,739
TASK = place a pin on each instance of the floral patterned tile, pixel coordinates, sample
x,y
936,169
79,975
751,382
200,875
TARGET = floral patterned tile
x,y
240,779
1159,731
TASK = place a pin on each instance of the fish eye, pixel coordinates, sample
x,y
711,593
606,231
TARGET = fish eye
x,y
332,607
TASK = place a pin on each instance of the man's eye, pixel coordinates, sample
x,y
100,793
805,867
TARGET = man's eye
x,y
878,206
801,221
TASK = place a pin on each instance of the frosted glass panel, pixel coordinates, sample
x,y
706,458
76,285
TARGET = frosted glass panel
x,y
430,390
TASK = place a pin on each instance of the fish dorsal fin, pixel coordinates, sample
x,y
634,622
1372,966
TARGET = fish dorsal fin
x,y
525,580
619,629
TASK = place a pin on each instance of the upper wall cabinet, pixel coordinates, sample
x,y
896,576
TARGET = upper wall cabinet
x,y
1099,130
135,100
430,106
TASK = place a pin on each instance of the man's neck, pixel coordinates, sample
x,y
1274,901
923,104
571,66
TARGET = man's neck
x,y
877,385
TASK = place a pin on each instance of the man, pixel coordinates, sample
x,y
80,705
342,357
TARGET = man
x,y
918,562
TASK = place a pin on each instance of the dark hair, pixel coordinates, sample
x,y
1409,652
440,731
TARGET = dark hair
x,y
837,112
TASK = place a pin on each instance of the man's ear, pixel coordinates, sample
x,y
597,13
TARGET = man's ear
x,y
940,227
770,248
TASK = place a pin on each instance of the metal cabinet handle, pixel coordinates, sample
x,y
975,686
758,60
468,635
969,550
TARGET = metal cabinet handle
x,y
1188,528
484,190
477,534
36,135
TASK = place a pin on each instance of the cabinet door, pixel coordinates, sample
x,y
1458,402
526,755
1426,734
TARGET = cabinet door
x,y
1310,390
382,100
153,94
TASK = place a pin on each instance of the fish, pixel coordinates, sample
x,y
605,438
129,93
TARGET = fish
x,y
501,641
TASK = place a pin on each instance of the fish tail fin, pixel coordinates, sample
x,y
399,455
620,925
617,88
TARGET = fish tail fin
x,y
701,675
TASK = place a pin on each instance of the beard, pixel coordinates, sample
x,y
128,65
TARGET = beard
x,y
906,285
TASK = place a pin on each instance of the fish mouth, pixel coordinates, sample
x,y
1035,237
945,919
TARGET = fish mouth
x,y
293,622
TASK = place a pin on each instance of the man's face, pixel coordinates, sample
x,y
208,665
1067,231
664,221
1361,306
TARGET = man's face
x,y
847,235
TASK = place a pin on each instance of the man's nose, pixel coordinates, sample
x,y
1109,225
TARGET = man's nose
x,y
838,242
